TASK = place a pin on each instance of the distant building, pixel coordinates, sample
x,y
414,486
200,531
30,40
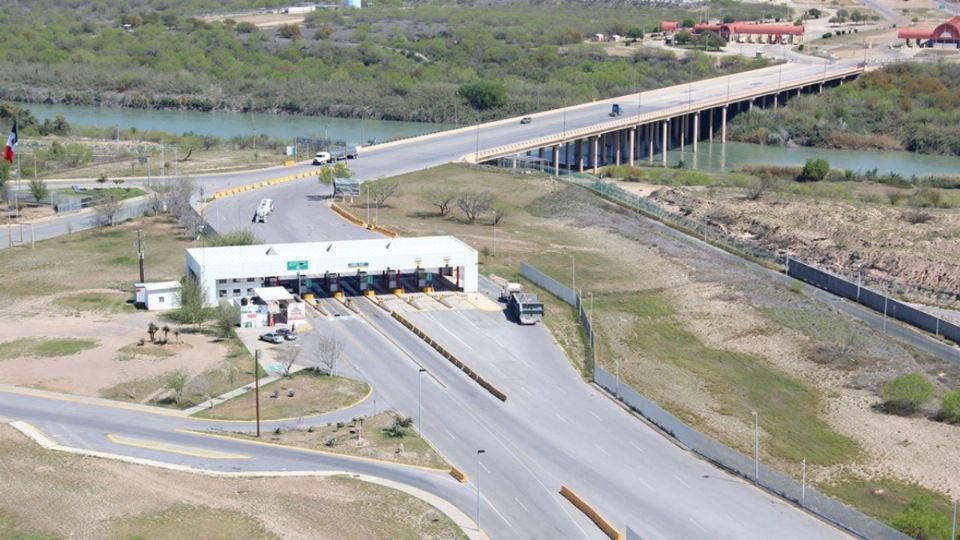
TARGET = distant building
x,y
947,33
158,296
353,3
669,27
752,32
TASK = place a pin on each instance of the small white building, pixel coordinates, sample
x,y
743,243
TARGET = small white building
x,y
270,306
159,295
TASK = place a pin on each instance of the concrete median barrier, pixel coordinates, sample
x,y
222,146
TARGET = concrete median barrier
x,y
346,214
591,513
458,474
449,356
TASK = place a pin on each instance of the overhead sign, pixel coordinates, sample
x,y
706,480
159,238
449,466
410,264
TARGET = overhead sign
x,y
358,265
296,265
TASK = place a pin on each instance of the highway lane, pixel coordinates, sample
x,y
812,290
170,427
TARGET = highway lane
x,y
632,474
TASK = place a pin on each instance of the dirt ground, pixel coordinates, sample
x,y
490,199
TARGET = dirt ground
x,y
105,366
841,236
51,494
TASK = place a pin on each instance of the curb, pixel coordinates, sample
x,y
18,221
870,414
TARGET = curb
x,y
589,511
459,518
262,184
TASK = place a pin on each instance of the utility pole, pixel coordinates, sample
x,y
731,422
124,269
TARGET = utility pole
x,y
256,385
140,253
756,447
478,486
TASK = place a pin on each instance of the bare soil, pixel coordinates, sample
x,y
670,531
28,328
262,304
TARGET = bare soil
x,y
55,494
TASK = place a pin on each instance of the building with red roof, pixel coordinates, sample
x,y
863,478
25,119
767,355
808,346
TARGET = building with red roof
x,y
947,33
669,26
762,33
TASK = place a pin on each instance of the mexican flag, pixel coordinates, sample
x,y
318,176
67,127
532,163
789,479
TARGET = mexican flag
x,y
11,143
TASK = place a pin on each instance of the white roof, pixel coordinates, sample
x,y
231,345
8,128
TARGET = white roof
x,y
158,285
272,294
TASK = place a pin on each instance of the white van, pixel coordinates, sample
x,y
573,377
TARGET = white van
x,y
322,158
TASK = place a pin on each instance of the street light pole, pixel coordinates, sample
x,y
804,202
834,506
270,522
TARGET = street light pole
x,y
420,402
573,264
478,486
256,385
494,233
756,447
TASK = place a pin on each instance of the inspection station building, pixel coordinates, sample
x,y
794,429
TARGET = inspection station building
x,y
336,267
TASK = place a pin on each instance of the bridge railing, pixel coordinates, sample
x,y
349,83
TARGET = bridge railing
x,y
613,125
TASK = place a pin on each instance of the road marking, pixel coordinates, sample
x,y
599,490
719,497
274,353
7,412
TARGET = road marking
x,y
452,436
173,448
681,481
527,510
565,421
524,388
602,449
484,467
440,325
697,524
597,416
644,483
633,444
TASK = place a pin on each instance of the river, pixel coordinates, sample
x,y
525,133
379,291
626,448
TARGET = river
x,y
711,156
227,124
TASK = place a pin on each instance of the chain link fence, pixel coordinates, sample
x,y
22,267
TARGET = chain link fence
x,y
727,458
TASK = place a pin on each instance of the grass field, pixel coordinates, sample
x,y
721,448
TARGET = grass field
x,y
52,495
106,302
313,394
410,449
884,498
119,193
234,371
96,259
44,347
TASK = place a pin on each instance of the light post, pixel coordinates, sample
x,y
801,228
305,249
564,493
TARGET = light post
x,y
573,265
478,486
803,484
756,447
256,384
953,523
494,233
477,155
420,401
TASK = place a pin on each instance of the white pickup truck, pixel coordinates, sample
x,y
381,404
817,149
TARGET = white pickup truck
x,y
264,210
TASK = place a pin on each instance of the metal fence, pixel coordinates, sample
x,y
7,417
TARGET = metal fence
x,y
874,300
732,460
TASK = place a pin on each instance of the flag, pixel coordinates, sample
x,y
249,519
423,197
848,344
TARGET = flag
x,y
11,143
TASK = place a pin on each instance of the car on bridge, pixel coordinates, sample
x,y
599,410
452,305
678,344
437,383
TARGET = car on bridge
x,y
526,120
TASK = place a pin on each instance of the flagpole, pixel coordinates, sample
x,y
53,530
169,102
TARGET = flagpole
x,y
16,193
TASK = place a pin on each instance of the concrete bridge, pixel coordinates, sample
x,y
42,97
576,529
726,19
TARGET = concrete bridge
x,y
586,137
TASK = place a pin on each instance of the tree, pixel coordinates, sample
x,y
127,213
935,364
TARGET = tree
x,y
921,520
176,380
192,308
326,176
906,393
38,188
635,33
474,204
815,170
500,211
166,331
682,37
106,210
441,197
759,186
152,330
244,27
340,170
327,354
102,179
286,356
727,19
484,95
814,13
950,408
381,190
228,317
118,181
688,23
289,31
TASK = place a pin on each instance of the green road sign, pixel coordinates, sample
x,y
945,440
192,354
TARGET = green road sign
x,y
429,276
370,280
296,265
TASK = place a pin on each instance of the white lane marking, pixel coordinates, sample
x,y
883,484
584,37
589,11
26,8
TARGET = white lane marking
x,y
645,483
597,416
452,436
681,480
602,449
497,512
633,444
441,326
524,388
527,510
564,420
697,524
484,467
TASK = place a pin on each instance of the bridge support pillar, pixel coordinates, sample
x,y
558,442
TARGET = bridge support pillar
x,y
651,127
633,143
696,129
750,106
710,125
682,125
593,154
556,160
617,146
663,147
723,124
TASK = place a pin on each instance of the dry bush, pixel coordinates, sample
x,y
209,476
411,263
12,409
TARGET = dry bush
x,y
916,216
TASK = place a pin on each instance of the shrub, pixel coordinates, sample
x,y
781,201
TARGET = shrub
x,y
950,409
815,170
920,520
906,393
483,95
915,216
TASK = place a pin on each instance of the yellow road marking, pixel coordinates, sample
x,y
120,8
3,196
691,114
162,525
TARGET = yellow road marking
x,y
173,448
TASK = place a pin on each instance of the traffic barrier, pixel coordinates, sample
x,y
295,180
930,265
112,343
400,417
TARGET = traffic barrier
x,y
261,184
384,231
458,474
347,214
449,356
594,516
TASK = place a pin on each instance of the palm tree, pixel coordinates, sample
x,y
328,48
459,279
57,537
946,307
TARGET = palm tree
x,y
166,330
176,334
152,330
